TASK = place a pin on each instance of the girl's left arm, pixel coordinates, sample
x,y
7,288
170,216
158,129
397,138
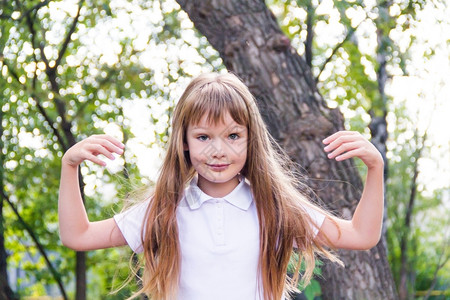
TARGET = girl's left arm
x,y
364,230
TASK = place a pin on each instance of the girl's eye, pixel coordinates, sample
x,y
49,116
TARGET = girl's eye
x,y
202,137
234,136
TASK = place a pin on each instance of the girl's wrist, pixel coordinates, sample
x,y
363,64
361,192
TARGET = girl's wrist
x,y
66,163
377,166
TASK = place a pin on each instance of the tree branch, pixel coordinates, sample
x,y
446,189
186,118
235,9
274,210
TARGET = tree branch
x,y
439,266
335,49
40,108
338,46
5,290
14,74
403,289
310,32
51,74
50,122
30,23
34,8
67,40
41,249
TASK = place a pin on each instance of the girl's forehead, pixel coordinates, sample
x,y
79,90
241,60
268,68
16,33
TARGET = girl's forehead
x,y
209,119
206,122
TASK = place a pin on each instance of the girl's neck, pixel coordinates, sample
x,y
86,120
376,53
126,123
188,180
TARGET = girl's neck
x,y
217,189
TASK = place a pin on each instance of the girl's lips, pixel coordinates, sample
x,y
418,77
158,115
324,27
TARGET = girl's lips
x,y
218,167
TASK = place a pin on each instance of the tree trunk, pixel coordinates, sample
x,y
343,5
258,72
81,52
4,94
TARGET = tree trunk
x,y
80,276
378,111
251,44
5,290
80,264
66,125
404,284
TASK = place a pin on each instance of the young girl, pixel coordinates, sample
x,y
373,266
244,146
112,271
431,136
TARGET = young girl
x,y
226,213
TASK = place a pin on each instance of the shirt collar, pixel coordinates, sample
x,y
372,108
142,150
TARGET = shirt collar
x,y
241,196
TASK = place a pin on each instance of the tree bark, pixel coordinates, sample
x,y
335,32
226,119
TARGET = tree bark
x,y
80,276
5,290
404,284
251,45
378,111
311,11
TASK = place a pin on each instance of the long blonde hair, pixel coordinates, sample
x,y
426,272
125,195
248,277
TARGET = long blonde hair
x,y
276,189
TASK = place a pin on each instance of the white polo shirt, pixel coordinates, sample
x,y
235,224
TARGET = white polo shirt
x,y
219,242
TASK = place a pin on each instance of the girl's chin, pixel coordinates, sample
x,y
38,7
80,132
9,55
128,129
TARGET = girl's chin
x,y
218,177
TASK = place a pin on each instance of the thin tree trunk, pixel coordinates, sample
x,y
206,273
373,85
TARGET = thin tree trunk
x,y
39,246
80,276
442,261
311,10
80,265
66,125
251,44
5,290
378,111
403,289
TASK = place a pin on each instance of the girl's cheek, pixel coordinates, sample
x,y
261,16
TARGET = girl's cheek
x,y
241,146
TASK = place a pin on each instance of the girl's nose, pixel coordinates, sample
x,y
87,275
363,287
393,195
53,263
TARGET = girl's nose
x,y
219,148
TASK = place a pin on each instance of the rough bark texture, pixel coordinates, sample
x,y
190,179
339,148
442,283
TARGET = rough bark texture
x,y
251,44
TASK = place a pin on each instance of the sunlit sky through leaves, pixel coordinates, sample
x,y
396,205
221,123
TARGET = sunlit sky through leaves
x,y
425,92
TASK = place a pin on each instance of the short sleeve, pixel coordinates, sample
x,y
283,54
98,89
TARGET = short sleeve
x,y
317,217
130,223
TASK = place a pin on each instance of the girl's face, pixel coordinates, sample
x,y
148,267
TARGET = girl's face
x,y
218,153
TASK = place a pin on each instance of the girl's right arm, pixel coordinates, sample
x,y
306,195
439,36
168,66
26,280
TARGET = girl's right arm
x,y
75,229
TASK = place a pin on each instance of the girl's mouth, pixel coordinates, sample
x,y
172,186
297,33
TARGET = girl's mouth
x,y
218,167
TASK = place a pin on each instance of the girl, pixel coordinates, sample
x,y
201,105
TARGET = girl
x,y
226,213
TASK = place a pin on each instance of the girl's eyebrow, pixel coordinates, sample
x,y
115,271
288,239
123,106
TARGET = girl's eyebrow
x,y
231,127
237,128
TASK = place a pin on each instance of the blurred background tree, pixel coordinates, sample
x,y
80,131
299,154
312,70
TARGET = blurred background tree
x,y
70,69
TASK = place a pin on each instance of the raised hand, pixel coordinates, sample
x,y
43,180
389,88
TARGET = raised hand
x,y
91,147
364,230
346,144
75,229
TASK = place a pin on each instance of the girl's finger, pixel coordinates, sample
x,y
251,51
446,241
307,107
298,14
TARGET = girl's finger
x,y
112,140
346,147
96,160
338,134
109,145
348,154
96,149
341,140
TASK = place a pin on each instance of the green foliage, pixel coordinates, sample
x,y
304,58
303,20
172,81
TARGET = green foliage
x,y
92,86
347,72
427,238
139,55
